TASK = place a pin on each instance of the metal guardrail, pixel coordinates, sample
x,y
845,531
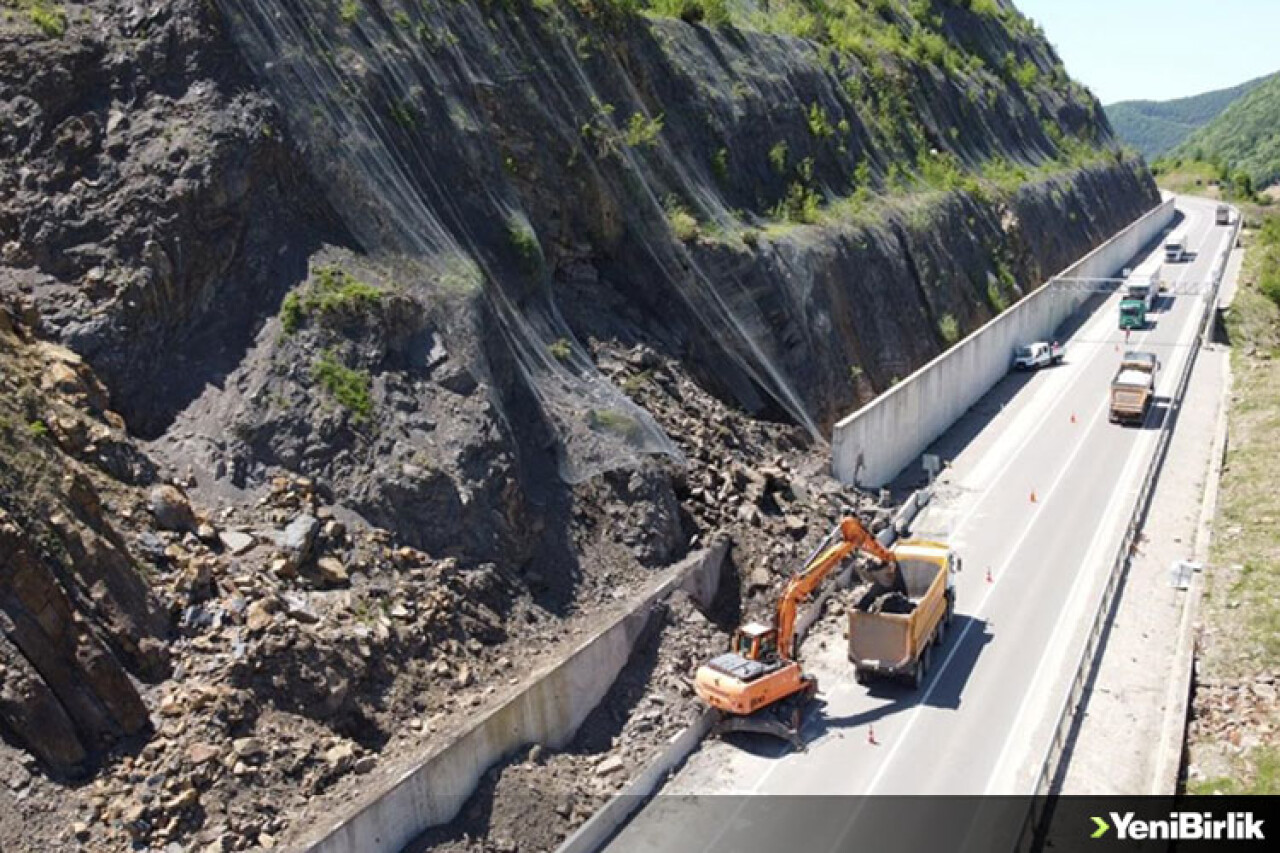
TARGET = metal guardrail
x,y
1033,826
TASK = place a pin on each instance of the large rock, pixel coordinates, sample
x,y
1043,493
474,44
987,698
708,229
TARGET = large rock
x,y
296,539
332,571
171,509
236,541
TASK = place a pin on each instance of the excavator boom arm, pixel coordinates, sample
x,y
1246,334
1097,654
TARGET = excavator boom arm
x,y
848,537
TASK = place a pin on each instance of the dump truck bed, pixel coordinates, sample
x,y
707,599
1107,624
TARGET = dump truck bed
x,y
890,643
1133,387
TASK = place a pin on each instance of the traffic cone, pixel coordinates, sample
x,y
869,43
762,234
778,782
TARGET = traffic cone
x,y
1033,495
871,736
989,578
1073,417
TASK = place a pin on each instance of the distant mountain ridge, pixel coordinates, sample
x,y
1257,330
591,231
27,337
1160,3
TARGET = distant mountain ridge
x,y
1156,127
1245,137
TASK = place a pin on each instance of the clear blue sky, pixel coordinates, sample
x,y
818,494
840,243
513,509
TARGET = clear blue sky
x,y
1160,49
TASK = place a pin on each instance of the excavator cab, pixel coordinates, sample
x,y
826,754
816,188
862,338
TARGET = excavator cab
x,y
758,685
755,641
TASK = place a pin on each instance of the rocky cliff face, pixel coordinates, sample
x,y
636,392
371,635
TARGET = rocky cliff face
x,y
451,316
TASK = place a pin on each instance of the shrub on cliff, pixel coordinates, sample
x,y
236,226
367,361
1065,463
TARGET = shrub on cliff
x,y
332,295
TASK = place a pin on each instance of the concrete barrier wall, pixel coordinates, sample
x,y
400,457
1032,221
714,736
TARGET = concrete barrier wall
x,y
596,832
548,711
873,445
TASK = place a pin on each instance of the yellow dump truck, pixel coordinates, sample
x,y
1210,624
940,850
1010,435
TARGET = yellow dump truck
x,y
894,635
1133,387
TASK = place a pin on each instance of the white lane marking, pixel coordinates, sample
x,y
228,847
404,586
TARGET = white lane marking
x,y
1100,319
959,641
1052,648
916,712
1042,396
901,737
976,502
1013,456
1042,671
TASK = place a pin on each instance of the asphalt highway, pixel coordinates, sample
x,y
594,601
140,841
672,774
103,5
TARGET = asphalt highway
x,y
1035,498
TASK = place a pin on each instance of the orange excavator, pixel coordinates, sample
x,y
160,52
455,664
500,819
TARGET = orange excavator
x,y
758,685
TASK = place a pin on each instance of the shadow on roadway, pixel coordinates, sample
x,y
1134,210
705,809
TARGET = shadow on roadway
x,y
942,687
944,693
1156,416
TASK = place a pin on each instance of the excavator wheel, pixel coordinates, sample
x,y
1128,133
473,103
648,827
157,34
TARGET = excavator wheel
x,y
782,720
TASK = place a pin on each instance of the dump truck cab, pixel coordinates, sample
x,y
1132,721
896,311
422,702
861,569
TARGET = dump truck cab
x,y
1133,314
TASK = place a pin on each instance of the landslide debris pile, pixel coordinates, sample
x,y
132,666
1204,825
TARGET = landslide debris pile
x,y
301,648
537,799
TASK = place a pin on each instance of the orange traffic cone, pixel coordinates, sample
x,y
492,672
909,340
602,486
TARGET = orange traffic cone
x,y
871,736
1033,495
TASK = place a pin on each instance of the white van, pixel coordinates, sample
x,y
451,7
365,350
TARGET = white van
x,y
1144,282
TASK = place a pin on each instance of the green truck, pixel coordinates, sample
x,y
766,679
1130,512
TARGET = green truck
x,y
1133,313
1141,290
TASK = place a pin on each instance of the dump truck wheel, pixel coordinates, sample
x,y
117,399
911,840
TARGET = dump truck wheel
x,y
860,676
920,671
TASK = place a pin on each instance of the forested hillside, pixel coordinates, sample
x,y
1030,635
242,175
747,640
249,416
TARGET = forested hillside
x,y
1154,127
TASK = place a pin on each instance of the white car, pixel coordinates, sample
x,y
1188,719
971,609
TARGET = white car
x,y
1037,355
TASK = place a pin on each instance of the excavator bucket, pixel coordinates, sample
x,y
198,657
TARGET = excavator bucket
x,y
782,721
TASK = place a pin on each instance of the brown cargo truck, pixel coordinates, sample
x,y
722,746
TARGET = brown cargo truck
x,y
894,636
1133,387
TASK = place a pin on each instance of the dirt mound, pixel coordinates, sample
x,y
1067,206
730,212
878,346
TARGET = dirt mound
x,y
534,801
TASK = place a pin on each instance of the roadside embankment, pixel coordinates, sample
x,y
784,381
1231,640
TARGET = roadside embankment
x,y
1235,709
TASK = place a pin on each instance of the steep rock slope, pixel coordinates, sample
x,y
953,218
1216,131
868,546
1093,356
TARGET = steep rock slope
x,y
763,207
387,286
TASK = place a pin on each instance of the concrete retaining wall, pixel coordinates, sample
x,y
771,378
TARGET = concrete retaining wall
x,y
596,832
548,711
873,445
593,834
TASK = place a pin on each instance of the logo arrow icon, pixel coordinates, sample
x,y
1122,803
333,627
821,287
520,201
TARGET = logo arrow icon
x,y
1102,825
